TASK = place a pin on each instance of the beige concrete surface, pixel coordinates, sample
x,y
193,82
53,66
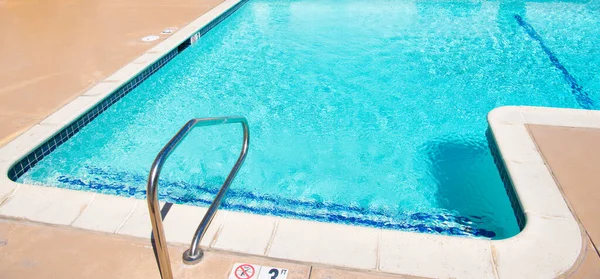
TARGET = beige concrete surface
x,y
590,266
32,250
53,50
573,156
332,273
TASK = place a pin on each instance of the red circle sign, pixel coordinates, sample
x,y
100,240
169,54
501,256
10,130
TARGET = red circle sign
x,y
244,271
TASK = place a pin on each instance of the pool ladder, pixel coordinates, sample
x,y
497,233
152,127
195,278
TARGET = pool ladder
x,y
194,253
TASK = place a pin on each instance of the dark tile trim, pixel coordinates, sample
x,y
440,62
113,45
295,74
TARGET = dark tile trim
x,y
508,186
31,159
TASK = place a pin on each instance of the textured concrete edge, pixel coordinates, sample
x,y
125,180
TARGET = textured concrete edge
x,y
552,236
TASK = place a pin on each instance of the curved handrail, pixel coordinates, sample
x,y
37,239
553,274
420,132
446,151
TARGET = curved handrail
x,y
194,254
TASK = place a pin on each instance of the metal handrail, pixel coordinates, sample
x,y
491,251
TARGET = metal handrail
x,y
194,253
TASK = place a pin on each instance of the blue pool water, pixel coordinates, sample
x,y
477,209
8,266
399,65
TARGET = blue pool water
x,y
369,113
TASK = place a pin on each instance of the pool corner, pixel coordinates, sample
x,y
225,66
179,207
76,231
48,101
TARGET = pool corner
x,y
551,243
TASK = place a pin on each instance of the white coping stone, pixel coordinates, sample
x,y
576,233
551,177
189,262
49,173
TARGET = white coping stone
x,y
551,241
46,204
435,256
26,142
103,88
559,117
596,115
537,189
70,111
510,115
138,224
105,213
147,58
128,72
341,245
246,233
514,143
6,191
546,248
181,223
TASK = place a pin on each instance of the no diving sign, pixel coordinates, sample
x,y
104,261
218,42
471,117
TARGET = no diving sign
x,y
245,271
252,271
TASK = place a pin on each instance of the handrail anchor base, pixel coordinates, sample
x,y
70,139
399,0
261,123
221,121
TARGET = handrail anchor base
x,y
190,259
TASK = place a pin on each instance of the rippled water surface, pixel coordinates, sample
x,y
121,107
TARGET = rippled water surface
x,y
370,113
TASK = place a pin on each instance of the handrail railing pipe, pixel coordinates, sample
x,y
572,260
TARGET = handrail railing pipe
x,y
194,253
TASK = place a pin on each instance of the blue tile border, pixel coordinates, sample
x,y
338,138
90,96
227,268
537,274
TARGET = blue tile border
x,y
129,184
508,186
33,157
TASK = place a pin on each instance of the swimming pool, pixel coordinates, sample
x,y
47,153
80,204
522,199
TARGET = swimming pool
x,y
361,113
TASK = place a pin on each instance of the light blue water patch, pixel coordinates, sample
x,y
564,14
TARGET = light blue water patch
x,y
571,31
367,113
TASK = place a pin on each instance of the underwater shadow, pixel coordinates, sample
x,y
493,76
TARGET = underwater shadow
x,y
469,183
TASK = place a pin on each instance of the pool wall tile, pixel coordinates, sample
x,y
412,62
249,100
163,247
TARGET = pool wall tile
x,y
148,57
346,246
46,204
508,185
67,132
69,111
246,233
29,140
134,73
435,256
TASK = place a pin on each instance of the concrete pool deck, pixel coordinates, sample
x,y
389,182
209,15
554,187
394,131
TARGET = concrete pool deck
x,y
31,250
54,50
586,266
573,156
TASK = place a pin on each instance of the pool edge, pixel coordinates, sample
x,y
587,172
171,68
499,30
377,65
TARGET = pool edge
x,y
308,241
529,252
551,242
69,119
